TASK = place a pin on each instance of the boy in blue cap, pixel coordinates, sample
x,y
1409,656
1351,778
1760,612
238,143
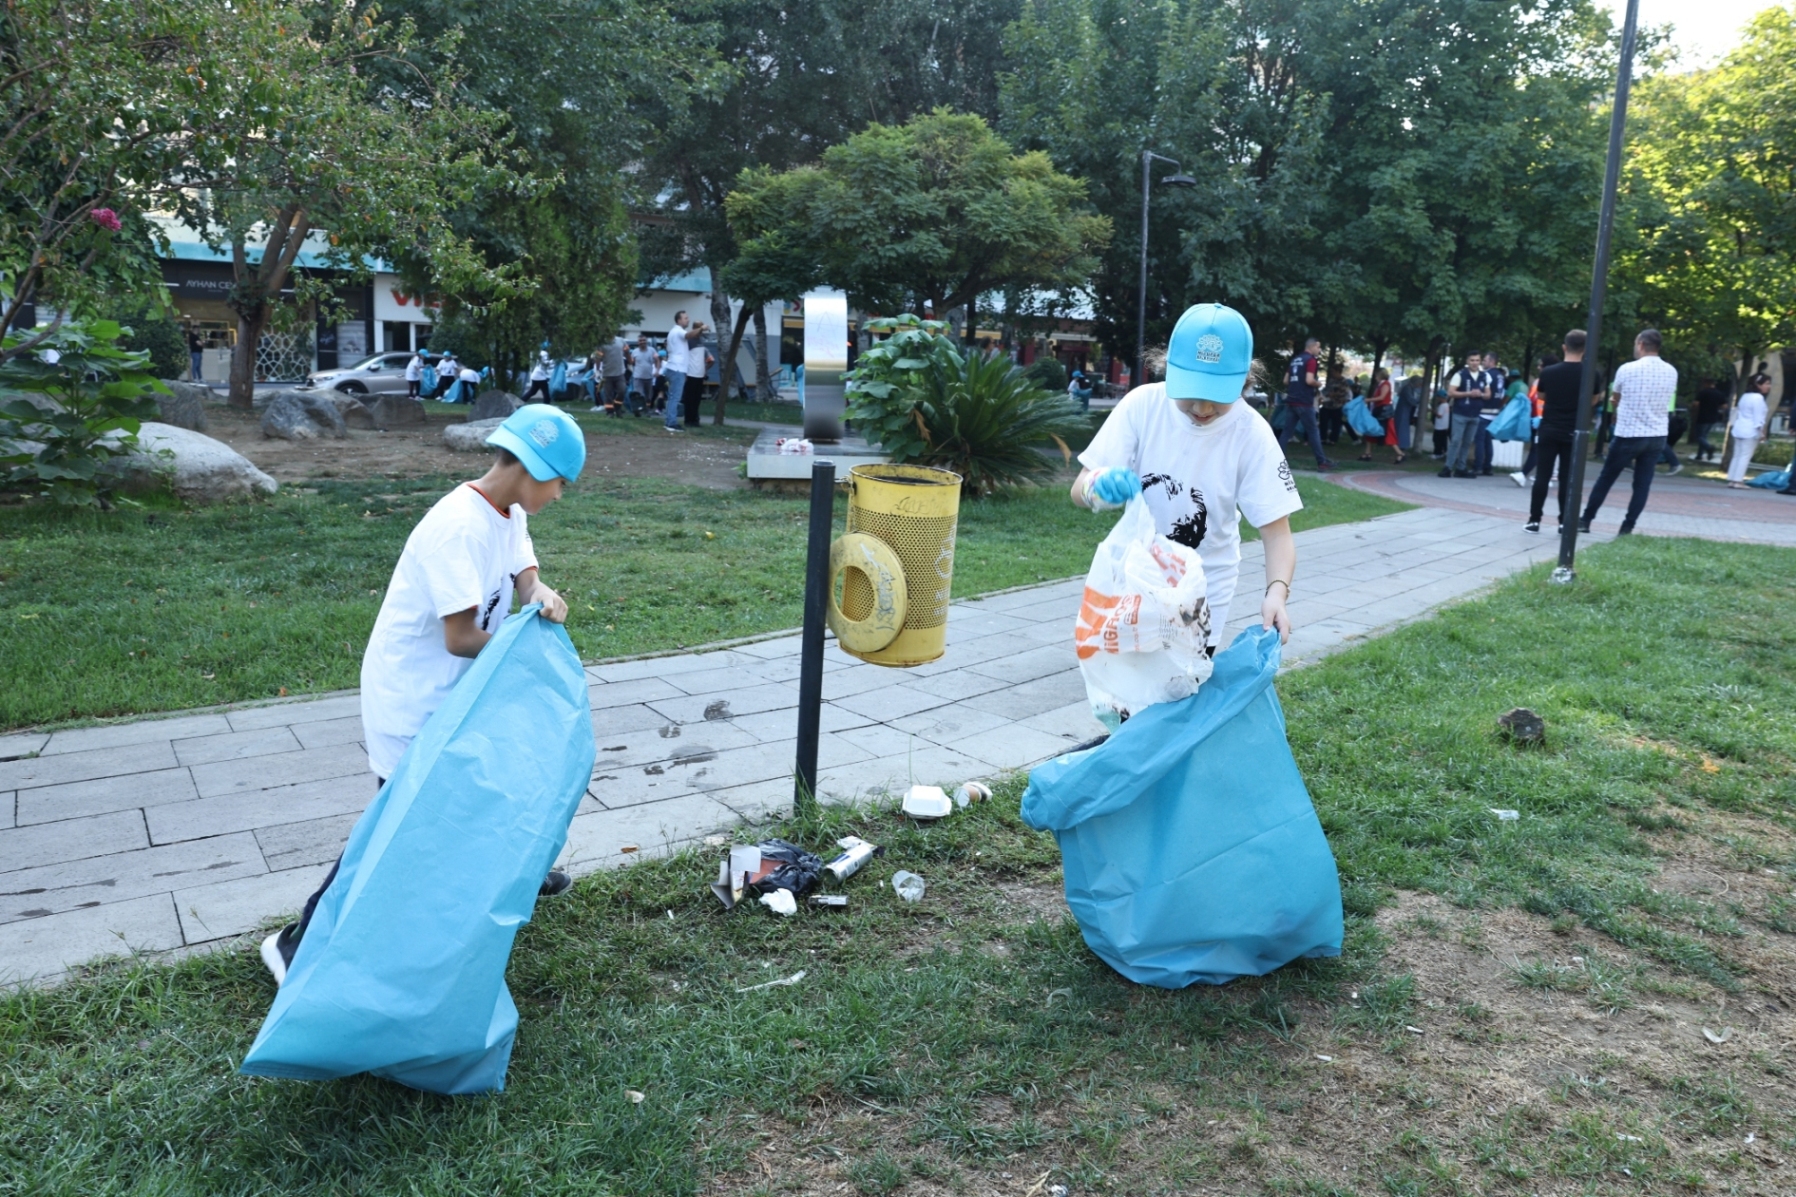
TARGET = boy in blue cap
x,y
461,567
1202,459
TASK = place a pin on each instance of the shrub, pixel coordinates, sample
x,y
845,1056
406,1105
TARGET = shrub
x,y
1047,373
926,402
147,327
98,396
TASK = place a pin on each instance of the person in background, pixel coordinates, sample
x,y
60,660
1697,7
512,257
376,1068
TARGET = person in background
x,y
447,370
469,378
1676,425
1410,396
1525,475
1079,390
1469,388
1443,423
1384,410
1497,380
1556,390
1711,403
1644,391
698,365
196,350
614,368
644,366
1330,417
673,372
1748,428
1300,404
540,370
414,374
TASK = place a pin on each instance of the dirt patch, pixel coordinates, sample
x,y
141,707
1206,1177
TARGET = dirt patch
x,y
696,459
1495,1052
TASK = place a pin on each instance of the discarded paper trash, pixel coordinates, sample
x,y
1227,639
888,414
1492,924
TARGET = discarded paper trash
x,y
794,979
855,853
927,802
763,868
1506,816
908,885
780,901
971,792
830,901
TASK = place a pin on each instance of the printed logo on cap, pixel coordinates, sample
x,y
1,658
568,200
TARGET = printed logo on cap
x,y
544,433
1209,348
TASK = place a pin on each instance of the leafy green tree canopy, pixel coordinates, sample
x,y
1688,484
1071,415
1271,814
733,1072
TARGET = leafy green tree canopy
x,y
934,212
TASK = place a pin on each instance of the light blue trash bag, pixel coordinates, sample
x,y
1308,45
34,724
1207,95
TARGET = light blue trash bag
x,y
1190,848
402,970
1360,418
1515,422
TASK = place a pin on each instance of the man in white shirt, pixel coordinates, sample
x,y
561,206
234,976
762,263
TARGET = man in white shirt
x,y
644,366
1644,390
674,369
539,378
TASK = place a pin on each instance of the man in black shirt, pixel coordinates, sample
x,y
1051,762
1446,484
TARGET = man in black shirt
x,y
1558,390
1711,405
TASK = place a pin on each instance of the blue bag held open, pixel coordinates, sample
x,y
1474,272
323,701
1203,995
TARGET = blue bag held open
x,y
1515,422
1360,418
402,970
1190,848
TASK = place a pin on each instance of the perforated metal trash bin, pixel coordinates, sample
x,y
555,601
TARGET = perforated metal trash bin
x,y
891,576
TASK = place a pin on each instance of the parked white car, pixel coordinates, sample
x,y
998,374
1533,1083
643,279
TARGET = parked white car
x,y
382,374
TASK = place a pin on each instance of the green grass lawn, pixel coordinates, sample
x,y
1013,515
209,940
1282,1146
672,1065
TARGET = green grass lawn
x,y
162,608
971,1044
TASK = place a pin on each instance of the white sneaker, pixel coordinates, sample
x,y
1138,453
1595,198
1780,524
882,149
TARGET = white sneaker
x,y
273,958
1519,478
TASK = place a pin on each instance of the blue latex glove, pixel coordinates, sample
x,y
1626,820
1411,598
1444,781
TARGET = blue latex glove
x,y
1115,486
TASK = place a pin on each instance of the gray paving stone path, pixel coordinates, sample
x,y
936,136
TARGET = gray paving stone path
x,y
173,834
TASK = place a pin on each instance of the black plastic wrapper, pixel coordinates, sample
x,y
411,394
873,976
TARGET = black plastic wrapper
x,y
797,869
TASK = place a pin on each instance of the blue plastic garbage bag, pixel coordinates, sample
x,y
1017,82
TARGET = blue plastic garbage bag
x,y
1189,846
427,381
558,380
1515,422
1360,418
402,970
1771,479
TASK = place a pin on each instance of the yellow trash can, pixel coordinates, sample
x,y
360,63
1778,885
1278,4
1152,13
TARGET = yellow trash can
x,y
895,566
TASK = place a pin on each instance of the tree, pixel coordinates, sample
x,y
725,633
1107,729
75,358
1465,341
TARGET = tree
x,y
930,214
96,95
303,147
1712,184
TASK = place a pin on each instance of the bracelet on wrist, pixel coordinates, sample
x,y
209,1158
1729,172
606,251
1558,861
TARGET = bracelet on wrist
x,y
1279,582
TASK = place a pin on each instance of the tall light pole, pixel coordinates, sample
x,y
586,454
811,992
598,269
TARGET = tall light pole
x,y
1572,487
1180,179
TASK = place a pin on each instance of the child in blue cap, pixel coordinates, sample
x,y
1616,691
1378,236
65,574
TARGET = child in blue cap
x,y
1202,460
462,566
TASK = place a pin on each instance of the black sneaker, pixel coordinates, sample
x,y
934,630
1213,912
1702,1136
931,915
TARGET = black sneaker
x,y
1464,474
1677,467
1584,525
1445,473
1626,529
277,951
1531,526
557,882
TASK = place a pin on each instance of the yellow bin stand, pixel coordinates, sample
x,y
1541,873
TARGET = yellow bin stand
x,y
894,569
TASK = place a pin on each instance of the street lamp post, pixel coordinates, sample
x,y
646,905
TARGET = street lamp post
x,y
1572,487
1180,179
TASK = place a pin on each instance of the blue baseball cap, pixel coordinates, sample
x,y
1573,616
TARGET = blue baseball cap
x,y
545,439
1210,354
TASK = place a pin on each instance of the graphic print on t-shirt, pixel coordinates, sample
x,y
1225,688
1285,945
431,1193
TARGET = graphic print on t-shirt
x,y
1188,529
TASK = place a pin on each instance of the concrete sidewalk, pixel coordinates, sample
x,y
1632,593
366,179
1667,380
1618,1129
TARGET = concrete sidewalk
x,y
169,834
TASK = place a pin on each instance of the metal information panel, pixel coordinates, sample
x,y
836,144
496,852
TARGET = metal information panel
x,y
825,361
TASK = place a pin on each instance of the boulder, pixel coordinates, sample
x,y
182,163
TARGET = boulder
x,y
470,437
193,465
261,398
185,404
494,405
303,416
354,412
395,411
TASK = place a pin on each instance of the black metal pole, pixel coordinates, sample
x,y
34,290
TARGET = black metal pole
x,y
1147,165
810,660
1572,487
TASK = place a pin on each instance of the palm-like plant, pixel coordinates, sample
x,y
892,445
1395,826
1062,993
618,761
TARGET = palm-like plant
x,y
927,402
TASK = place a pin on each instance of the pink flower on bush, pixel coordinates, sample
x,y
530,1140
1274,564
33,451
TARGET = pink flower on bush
x,y
106,218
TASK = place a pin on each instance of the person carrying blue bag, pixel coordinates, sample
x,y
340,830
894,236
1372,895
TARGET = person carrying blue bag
x,y
454,584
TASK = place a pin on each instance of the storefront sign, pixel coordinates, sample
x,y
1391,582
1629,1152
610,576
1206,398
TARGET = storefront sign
x,y
392,302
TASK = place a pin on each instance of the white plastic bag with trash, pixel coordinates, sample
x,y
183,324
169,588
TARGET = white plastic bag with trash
x,y
1144,620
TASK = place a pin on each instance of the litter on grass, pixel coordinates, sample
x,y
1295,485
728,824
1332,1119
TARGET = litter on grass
x,y
927,802
909,886
1718,1037
763,868
780,901
830,901
781,982
855,853
971,792
1506,816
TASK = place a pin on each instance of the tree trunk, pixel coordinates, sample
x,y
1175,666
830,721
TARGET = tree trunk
x,y
726,370
763,372
243,357
726,363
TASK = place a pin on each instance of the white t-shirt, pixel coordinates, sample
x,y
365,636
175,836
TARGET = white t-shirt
x,y
540,371
1199,482
462,554
676,350
414,369
1443,416
469,374
1749,416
